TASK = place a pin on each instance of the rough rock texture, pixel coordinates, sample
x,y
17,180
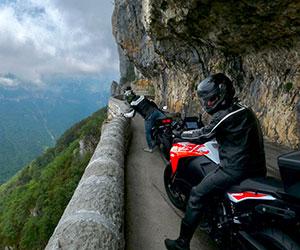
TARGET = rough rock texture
x,y
126,69
115,89
117,107
93,218
298,116
173,44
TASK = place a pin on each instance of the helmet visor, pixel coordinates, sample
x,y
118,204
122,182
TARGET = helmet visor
x,y
209,101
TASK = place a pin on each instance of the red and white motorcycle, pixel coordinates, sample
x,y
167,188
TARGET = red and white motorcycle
x,y
259,213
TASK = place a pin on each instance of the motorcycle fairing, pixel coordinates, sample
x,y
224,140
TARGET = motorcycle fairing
x,y
186,149
248,195
213,153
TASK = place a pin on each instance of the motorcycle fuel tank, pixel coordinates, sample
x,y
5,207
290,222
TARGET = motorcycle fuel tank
x,y
187,149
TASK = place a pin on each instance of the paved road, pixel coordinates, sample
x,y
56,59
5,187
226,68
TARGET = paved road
x,y
150,217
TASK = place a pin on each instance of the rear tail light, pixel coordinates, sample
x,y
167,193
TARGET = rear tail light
x,y
166,121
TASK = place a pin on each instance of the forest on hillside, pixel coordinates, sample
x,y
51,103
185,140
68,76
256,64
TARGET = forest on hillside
x,y
32,202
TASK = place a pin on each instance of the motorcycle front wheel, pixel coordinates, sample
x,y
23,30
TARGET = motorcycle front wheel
x,y
175,194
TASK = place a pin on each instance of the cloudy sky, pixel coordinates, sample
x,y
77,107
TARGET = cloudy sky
x,y
43,37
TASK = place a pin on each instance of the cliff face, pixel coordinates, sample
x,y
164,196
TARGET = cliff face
x,y
173,44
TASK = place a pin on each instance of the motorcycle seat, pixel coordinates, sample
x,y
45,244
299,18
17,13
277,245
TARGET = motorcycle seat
x,y
267,184
292,192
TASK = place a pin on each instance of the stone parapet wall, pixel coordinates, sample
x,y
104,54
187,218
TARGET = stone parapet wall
x,y
94,218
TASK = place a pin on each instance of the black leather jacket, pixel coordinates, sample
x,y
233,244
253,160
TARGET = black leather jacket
x,y
239,136
143,106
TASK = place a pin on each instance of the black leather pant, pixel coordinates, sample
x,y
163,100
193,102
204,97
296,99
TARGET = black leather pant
x,y
215,183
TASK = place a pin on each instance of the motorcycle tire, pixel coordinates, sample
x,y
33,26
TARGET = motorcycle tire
x,y
275,239
178,199
164,146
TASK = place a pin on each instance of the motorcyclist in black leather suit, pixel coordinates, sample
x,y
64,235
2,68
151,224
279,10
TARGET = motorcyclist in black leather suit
x,y
241,150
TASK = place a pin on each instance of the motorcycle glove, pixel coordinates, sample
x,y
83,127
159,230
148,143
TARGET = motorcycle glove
x,y
191,134
130,114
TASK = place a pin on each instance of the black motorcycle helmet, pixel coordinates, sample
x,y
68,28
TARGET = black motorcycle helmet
x,y
216,92
129,95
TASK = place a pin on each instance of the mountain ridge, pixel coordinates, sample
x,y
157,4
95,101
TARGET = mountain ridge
x,y
32,119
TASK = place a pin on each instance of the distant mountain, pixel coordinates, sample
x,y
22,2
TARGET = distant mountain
x,y
32,202
33,117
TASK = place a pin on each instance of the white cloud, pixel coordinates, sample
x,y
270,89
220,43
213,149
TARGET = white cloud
x,y
4,81
42,37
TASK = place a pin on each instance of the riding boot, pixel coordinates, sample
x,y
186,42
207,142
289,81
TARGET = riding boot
x,y
183,241
197,219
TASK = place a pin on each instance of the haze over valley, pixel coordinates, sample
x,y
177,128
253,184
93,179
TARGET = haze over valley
x,y
33,118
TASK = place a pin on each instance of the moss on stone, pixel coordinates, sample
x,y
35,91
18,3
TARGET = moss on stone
x,y
288,87
151,90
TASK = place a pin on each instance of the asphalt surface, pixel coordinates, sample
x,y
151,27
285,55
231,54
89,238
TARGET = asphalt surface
x,y
149,215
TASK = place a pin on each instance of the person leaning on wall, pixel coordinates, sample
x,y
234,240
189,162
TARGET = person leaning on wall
x,y
147,109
